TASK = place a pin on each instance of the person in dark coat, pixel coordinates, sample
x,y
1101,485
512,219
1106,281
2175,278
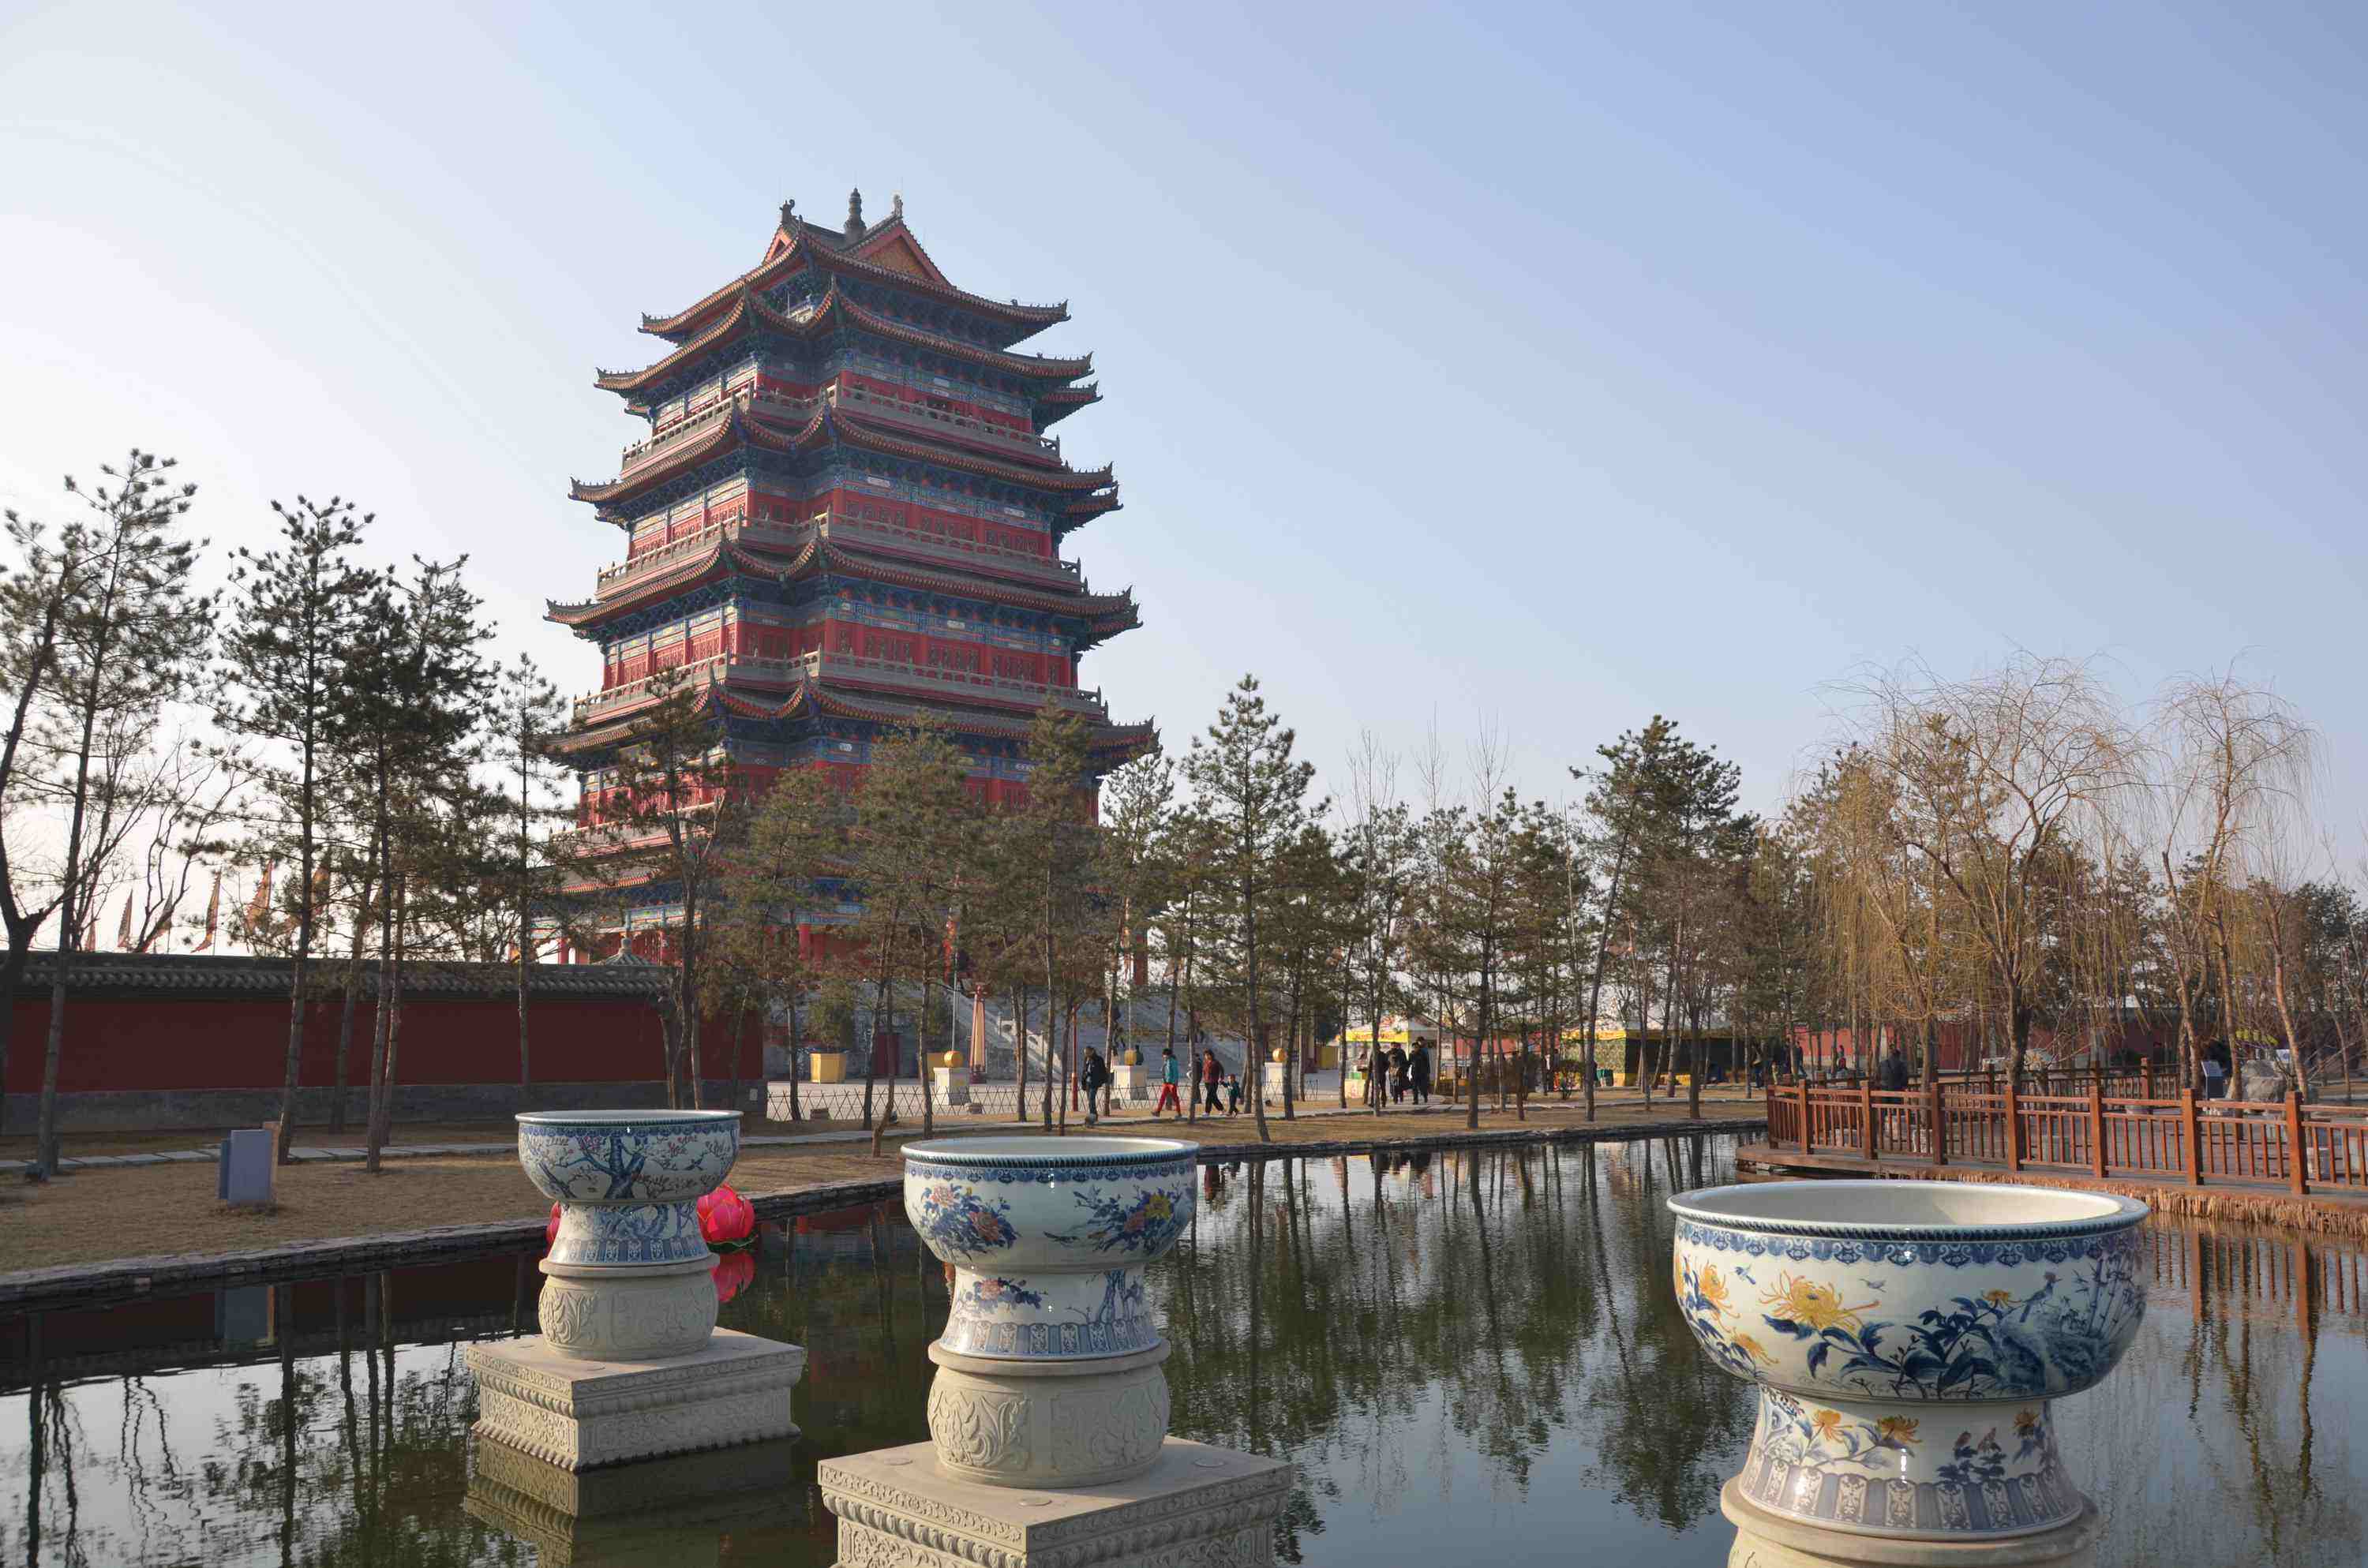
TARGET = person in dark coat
x,y
1397,1073
1418,1073
1094,1076
1212,1076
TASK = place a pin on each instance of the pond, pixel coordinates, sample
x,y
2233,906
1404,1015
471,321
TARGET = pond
x,y
1471,1357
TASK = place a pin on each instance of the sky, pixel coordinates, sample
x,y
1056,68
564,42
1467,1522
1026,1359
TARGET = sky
x,y
1493,369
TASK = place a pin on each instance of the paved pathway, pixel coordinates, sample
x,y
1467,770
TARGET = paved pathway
x,y
843,1100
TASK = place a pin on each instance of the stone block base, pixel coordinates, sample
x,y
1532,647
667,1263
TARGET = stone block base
x,y
1197,1505
1763,1540
669,1512
1129,1086
580,1415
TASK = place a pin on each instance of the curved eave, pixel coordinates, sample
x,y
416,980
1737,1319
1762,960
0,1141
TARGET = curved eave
x,y
611,731
828,423
860,432
870,566
1057,403
1104,615
803,250
750,313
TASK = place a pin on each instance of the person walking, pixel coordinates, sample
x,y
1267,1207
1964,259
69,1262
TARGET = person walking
x,y
1212,1078
1233,1094
1895,1070
1170,1074
1418,1073
1096,1076
1397,1075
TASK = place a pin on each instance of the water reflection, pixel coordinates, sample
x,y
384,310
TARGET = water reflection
x,y
1467,1354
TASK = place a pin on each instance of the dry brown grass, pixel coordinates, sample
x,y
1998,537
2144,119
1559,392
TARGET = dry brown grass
x,y
94,1215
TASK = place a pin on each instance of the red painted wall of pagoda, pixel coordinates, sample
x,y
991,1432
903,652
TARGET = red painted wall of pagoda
x,y
178,1042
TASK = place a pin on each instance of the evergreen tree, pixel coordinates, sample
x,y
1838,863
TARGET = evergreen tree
x,y
33,598
1137,801
1045,861
130,640
911,839
523,880
293,615
1253,797
666,822
773,884
418,685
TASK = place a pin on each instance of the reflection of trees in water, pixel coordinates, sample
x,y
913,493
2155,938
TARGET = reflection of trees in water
x,y
361,1457
1377,1320
2211,1444
1377,1316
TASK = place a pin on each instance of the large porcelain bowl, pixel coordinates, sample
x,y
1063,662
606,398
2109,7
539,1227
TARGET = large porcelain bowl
x,y
1048,1237
628,1182
1906,1337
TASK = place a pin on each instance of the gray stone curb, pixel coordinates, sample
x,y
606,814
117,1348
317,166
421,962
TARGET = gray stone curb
x,y
93,1283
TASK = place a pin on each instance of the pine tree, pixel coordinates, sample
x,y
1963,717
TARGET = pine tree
x,y
524,881
912,836
294,612
417,687
1046,858
1136,804
668,820
773,884
1253,795
130,640
32,609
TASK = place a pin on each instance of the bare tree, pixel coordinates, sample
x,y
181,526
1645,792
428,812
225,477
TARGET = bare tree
x,y
1998,775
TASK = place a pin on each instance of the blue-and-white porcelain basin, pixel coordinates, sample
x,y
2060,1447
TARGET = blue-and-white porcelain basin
x,y
1047,1238
1906,1337
628,1182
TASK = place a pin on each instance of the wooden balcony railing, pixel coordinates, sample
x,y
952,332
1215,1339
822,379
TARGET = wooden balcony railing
x,y
2286,1142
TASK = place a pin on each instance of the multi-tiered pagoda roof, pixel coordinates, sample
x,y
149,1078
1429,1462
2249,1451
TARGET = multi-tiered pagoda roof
x,y
847,513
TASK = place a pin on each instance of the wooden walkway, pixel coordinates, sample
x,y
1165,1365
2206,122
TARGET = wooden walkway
x,y
2293,1157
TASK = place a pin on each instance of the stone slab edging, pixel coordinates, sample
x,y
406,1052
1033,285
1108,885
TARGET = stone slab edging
x,y
950,1125
114,1280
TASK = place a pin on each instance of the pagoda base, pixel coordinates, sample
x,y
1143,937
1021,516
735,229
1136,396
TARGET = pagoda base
x,y
1196,1505
1764,1541
581,1415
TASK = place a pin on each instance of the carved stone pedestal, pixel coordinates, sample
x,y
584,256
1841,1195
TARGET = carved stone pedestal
x,y
1764,1541
1130,1085
1196,1506
1063,1423
953,1084
578,1414
669,1512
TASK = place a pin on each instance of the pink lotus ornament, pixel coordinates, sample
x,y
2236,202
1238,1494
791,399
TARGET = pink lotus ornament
x,y
726,1219
550,1231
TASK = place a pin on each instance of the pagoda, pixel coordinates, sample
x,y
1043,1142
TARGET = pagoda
x,y
847,514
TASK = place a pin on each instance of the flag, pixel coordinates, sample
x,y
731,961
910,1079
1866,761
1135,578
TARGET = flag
x,y
260,905
123,932
213,913
320,892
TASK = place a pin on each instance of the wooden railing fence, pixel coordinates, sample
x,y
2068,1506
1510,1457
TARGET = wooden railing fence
x,y
2093,1131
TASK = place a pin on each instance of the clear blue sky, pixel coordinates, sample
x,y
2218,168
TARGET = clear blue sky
x,y
1546,369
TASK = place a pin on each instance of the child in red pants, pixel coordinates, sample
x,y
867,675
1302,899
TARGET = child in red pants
x,y
1170,1075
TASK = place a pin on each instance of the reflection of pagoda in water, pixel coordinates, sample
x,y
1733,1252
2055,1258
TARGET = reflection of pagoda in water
x,y
847,514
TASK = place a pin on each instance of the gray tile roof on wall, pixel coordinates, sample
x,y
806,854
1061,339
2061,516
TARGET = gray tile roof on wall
x,y
205,974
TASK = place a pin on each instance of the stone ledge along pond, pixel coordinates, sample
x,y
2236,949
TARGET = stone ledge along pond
x,y
1473,1355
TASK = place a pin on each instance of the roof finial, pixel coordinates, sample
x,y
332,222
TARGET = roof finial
x,y
854,213
896,205
789,215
